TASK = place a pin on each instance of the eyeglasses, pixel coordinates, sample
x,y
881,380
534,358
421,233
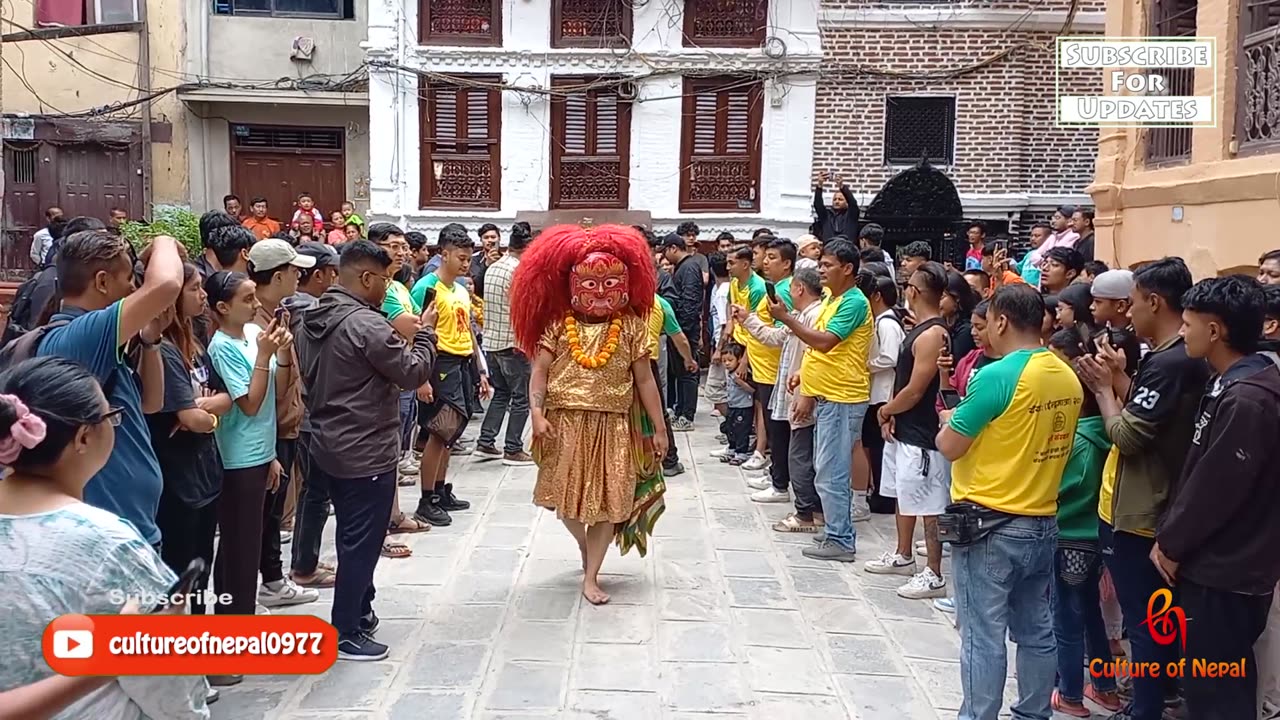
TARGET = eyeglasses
x,y
114,416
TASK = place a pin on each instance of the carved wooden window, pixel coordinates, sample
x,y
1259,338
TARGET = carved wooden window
x,y
1258,92
590,145
1172,18
725,23
460,22
461,144
591,23
916,127
720,145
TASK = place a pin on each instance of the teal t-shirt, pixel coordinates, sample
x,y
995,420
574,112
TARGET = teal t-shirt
x,y
243,441
670,327
399,300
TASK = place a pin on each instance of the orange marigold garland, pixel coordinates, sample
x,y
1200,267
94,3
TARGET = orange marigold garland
x,y
598,360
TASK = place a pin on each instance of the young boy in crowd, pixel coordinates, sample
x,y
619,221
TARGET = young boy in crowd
x,y
741,403
307,206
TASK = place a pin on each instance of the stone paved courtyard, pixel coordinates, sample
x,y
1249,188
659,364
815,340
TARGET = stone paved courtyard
x,y
724,619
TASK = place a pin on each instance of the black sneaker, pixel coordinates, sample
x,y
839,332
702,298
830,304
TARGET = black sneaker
x,y
369,624
450,502
430,512
672,470
359,647
487,452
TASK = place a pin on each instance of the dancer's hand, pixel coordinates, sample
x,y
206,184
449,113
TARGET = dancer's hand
x,y
541,428
660,441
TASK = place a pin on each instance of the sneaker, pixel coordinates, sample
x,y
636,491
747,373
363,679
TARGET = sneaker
x,y
923,551
771,495
760,483
285,592
681,424
1061,705
740,460
461,449
1107,700
923,585
260,609
450,502
724,452
409,465
757,462
891,564
369,624
429,511
860,513
224,680
212,696
728,458
673,469
945,604
517,459
829,551
359,647
487,452
286,537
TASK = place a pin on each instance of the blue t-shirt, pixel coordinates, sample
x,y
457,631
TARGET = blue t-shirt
x,y
129,484
243,441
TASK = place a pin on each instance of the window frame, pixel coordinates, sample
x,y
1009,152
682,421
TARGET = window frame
x,y
560,41
345,11
90,10
557,134
493,39
426,143
1155,140
694,87
688,39
1249,37
949,156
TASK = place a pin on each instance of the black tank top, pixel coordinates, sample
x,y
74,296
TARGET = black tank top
x,y
919,425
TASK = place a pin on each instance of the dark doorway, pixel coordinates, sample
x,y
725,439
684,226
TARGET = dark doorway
x,y
920,203
277,163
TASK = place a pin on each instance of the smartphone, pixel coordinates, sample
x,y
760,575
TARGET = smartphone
x,y
950,399
185,585
428,297
280,313
946,344
772,291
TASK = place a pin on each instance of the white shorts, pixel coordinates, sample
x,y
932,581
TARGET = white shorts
x,y
920,479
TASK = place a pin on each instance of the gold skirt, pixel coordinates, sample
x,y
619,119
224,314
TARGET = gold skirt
x,y
586,467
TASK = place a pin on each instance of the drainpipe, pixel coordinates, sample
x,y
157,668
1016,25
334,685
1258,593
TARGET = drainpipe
x,y
144,82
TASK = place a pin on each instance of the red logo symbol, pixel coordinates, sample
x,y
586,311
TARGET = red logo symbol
x,y
1167,623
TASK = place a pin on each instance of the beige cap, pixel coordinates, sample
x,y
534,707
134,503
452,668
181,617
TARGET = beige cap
x,y
273,253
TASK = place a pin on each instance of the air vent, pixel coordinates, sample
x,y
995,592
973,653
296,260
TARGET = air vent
x,y
250,137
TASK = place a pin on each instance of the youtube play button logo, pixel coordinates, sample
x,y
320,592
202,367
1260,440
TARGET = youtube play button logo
x,y
68,644
73,644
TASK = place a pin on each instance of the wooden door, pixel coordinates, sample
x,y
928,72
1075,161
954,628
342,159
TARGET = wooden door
x,y
277,163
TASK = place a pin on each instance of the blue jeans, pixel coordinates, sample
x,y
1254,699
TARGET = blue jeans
x,y
1002,586
1077,627
836,425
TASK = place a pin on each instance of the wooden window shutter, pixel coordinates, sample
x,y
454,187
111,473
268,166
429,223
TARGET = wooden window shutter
x,y
591,23
590,145
460,22
720,145
461,146
725,23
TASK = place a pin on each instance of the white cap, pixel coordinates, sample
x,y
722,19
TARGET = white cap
x,y
273,253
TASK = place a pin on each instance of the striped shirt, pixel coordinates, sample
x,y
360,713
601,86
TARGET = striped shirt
x,y
497,306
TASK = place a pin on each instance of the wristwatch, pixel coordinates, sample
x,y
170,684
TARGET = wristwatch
x,y
149,345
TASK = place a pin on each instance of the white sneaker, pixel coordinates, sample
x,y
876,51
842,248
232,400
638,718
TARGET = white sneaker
x,y
860,513
409,465
945,604
723,452
923,585
771,495
285,593
922,550
757,462
760,483
286,537
260,609
891,564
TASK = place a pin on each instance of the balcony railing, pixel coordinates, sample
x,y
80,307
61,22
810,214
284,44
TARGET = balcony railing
x,y
1167,145
1259,97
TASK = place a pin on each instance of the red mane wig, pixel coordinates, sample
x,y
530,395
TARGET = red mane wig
x,y
540,287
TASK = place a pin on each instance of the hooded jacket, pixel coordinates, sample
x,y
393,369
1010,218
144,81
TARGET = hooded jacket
x,y
1081,481
1221,520
354,364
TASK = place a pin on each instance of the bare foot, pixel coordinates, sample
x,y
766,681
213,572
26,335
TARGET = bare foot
x,y
592,592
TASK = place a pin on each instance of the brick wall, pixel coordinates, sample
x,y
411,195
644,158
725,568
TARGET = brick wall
x,y
1006,139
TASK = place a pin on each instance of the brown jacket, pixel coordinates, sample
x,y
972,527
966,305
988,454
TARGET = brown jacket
x,y
289,405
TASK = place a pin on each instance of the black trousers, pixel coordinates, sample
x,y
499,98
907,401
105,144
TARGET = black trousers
x,y
873,441
685,382
273,512
235,568
311,512
739,430
361,506
673,455
1221,628
800,461
779,434
188,534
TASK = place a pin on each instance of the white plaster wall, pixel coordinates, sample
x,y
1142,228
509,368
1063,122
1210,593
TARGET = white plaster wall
x,y
527,60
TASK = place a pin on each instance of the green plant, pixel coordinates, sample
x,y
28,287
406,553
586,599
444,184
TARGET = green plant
x,y
173,220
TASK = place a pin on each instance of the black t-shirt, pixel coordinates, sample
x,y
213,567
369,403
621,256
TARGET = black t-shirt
x,y
917,426
962,338
189,462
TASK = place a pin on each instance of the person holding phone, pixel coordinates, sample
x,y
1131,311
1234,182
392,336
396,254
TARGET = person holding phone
x,y
64,556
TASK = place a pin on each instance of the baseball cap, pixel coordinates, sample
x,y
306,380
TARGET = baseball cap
x,y
324,255
805,241
673,240
1113,285
274,253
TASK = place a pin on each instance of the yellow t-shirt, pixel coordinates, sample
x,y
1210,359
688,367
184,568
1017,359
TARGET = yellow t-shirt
x,y
662,318
841,375
747,295
765,359
1021,412
453,328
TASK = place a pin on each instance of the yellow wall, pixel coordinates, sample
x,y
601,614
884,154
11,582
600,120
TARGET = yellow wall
x,y
102,69
1229,203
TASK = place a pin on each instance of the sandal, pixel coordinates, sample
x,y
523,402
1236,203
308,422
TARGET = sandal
x,y
395,549
1107,700
406,524
1068,708
793,524
321,578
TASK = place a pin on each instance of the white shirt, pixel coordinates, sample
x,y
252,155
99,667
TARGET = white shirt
x,y
882,360
40,243
719,309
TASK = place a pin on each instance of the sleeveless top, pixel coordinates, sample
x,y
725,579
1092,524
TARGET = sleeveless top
x,y
919,425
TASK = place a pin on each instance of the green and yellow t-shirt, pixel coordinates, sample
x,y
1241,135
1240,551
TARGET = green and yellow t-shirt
x,y
453,328
662,320
399,301
764,359
1021,412
748,295
841,375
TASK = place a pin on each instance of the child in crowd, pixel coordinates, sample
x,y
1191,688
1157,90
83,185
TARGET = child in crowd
x,y
306,207
741,403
